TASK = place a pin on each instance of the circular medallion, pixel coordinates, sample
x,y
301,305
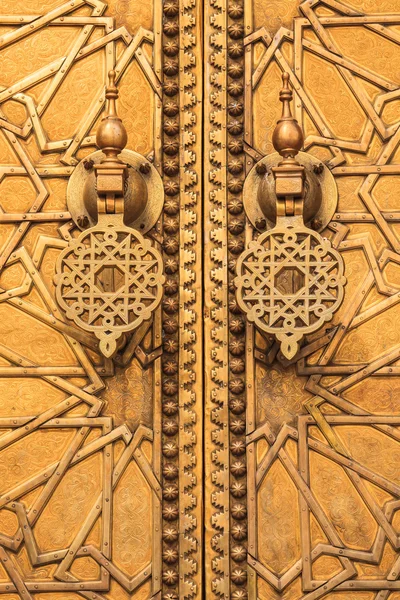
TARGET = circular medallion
x,y
109,280
289,282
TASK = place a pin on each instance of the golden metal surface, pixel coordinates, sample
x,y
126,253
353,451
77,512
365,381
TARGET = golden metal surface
x,y
307,499
109,279
290,281
97,502
139,213
260,200
299,402
301,455
289,175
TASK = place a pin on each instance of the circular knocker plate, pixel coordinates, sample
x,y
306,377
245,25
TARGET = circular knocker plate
x,y
109,280
289,282
143,197
259,197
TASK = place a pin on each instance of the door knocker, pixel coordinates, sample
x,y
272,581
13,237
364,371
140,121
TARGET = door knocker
x,y
109,279
290,281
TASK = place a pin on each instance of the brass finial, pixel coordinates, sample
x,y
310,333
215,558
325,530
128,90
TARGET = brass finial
x,y
111,172
111,135
289,174
287,137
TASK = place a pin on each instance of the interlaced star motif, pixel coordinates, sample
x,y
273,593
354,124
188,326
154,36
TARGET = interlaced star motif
x,y
109,280
290,281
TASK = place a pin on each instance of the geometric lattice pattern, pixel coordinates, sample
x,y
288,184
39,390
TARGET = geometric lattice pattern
x,y
80,506
109,281
302,455
290,281
90,444
44,490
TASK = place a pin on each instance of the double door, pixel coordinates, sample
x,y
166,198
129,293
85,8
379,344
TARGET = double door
x,y
178,420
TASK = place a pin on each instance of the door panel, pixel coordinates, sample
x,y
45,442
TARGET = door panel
x,y
316,510
95,501
101,457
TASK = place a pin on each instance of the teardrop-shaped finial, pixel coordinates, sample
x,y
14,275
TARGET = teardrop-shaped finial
x,y
111,135
287,137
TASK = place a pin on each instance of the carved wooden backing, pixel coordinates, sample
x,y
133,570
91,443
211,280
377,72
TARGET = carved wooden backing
x,y
102,486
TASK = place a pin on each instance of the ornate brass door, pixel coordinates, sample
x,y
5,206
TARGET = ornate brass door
x,y
315,514
198,316
101,461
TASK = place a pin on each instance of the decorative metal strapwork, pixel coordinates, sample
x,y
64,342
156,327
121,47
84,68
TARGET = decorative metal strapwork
x,y
290,281
109,279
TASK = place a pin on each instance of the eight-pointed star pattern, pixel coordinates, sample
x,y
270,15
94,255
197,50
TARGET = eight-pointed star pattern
x,y
109,280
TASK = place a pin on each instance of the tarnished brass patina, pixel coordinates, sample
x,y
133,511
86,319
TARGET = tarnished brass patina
x,y
144,194
315,191
138,182
289,173
315,187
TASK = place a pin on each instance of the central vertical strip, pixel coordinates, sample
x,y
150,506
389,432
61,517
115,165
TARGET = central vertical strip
x,y
190,295
217,568
182,307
